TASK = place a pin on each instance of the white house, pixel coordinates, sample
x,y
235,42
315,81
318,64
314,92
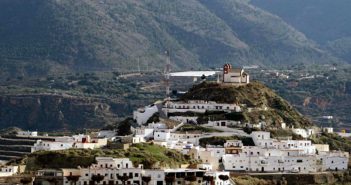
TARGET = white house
x,y
27,133
64,143
200,106
328,130
8,171
305,133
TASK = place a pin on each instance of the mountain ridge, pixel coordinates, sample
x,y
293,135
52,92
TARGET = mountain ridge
x,y
41,37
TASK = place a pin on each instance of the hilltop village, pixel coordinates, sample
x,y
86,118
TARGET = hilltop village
x,y
212,134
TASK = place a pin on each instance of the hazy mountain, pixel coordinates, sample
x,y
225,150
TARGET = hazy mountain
x,y
41,36
324,21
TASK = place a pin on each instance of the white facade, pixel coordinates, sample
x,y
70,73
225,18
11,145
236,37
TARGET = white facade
x,y
225,123
217,151
273,163
334,161
64,143
184,119
143,114
200,106
109,162
233,143
111,168
8,171
51,145
271,155
27,134
305,133
328,130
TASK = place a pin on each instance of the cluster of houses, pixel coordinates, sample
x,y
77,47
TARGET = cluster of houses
x,y
217,161
45,143
267,154
272,155
80,141
122,171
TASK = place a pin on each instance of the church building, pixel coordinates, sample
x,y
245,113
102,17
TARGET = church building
x,y
235,75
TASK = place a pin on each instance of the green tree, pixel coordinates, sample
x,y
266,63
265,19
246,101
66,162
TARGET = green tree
x,y
124,178
146,179
73,179
26,180
190,178
223,177
123,128
169,179
97,178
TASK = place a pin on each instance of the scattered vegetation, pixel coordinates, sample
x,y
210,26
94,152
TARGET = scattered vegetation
x,y
334,141
192,128
151,156
264,104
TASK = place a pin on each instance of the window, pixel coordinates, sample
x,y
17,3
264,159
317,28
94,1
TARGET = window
x,y
86,175
136,175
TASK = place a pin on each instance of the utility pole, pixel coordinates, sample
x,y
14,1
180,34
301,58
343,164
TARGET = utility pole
x,y
138,64
167,80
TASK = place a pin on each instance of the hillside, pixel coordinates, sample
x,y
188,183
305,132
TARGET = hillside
x,y
324,21
73,102
41,37
151,156
266,105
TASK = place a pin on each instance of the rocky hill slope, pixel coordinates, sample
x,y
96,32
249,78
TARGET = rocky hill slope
x,y
54,112
265,104
40,37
